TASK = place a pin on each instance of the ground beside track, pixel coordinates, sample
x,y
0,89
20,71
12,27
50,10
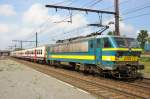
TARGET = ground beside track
x,y
145,60
99,86
18,81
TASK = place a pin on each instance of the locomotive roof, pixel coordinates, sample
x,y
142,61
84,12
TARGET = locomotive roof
x,y
31,48
102,36
86,38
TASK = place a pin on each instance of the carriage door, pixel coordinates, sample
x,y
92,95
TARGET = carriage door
x,y
94,49
98,51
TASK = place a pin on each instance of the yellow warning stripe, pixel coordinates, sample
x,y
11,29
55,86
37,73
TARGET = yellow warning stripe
x,y
82,57
108,58
123,58
136,49
91,57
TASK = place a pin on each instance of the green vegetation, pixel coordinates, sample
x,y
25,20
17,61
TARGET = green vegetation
x,y
148,39
142,38
110,33
146,62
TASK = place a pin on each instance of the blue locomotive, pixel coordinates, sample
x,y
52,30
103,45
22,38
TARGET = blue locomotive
x,y
114,55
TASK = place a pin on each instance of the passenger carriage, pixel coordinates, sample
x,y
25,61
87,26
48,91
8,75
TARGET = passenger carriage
x,y
33,54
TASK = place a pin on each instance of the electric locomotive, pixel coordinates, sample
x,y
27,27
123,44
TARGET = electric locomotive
x,y
114,55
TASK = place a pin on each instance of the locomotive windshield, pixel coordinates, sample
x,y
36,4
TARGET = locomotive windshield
x,y
126,42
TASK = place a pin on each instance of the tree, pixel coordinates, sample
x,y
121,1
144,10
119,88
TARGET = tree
x,y
142,37
110,33
148,39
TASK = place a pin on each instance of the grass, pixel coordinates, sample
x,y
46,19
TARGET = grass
x,y
146,62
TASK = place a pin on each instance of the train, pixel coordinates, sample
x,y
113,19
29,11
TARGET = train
x,y
104,54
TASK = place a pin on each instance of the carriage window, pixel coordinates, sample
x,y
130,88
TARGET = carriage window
x,y
41,51
107,43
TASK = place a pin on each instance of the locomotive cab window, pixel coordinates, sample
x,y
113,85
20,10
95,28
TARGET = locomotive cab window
x,y
106,43
126,42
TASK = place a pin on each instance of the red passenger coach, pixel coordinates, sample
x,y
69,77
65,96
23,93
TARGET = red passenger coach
x,y
34,54
40,54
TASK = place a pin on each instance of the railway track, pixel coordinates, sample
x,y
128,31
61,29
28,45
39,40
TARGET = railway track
x,y
146,80
145,83
105,88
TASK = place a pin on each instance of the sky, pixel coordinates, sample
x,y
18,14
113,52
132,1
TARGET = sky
x,y
21,19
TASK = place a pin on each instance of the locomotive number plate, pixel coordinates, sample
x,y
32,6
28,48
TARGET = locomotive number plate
x,y
130,58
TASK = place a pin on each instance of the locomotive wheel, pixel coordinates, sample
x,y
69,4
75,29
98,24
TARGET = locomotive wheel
x,y
77,68
130,73
133,72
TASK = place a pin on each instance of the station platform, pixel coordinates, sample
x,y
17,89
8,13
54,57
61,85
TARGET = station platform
x,y
18,81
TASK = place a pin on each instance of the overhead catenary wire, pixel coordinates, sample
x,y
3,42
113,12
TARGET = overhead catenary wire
x,y
61,2
65,1
121,3
136,10
70,3
76,13
137,16
91,4
61,33
46,21
35,30
96,2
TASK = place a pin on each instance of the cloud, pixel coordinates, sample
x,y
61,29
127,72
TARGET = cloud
x,y
7,10
7,34
38,19
4,28
125,29
35,15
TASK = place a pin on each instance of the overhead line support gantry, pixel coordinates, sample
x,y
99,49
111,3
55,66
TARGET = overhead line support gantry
x,y
116,12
